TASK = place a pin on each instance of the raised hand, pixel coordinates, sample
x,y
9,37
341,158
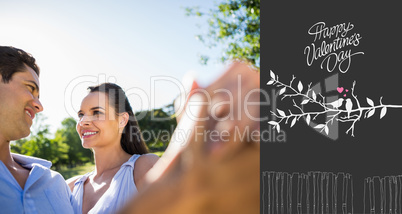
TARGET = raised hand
x,y
216,169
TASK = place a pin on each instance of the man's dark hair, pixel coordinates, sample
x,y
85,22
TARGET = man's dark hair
x,y
13,60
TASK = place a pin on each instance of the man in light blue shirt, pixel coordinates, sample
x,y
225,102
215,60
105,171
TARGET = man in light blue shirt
x,y
27,185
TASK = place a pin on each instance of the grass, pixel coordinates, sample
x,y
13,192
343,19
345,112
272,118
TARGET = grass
x,y
80,170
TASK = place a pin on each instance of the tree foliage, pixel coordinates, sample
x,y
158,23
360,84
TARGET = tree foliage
x,y
39,145
236,25
68,135
157,127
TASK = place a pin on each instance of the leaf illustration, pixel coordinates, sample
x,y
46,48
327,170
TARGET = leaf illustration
x,y
274,123
300,86
282,91
304,101
293,122
370,102
272,75
314,96
281,113
326,129
370,113
278,128
319,126
308,119
383,112
270,82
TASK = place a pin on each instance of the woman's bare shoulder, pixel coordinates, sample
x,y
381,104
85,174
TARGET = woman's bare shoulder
x,y
143,164
146,161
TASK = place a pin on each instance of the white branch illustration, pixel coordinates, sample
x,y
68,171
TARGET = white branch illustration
x,y
347,110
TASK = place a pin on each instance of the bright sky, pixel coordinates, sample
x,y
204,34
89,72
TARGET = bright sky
x,y
146,47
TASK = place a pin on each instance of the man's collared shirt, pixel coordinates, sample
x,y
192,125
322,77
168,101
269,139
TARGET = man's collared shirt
x,y
45,190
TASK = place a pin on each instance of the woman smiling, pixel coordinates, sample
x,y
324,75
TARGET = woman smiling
x,y
108,126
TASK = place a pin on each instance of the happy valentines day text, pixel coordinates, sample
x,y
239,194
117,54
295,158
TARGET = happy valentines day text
x,y
335,52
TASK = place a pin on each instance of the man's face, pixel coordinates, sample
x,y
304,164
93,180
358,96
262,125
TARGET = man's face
x,y
19,102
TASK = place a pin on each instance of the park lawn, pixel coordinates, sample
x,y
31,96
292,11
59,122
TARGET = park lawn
x,y
82,169
78,170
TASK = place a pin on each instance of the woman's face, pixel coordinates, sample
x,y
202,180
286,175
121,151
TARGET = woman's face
x,y
98,125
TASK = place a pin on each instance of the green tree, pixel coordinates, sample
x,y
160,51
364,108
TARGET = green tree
x,y
236,25
68,135
39,145
157,127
